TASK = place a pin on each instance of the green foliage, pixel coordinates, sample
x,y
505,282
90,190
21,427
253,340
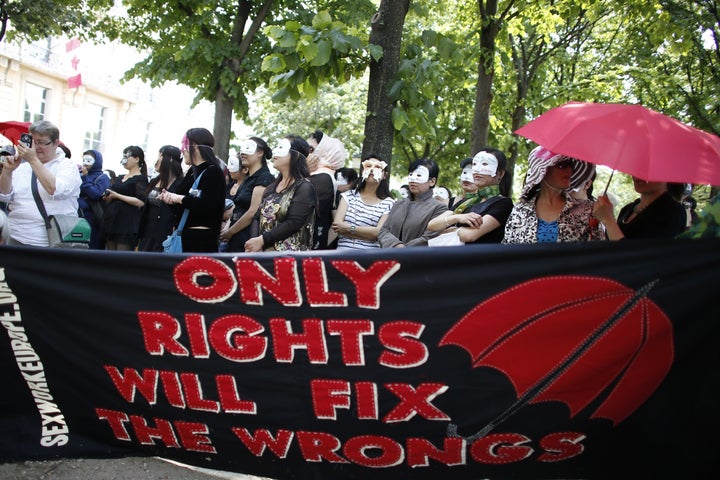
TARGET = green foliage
x,y
30,20
306,56
337,110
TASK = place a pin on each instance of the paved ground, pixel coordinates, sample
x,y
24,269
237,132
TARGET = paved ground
x,y
116,469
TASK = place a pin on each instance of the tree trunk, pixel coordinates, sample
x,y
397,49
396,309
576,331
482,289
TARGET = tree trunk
x,y
387,27
223,124
486,74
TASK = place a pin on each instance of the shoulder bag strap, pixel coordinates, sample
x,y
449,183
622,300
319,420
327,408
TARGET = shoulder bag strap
x,y
185,214
38,201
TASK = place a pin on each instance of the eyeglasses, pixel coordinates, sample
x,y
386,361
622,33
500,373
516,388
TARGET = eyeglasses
x,y
564,164
44,144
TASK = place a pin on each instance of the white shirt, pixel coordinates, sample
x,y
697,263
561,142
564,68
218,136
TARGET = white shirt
x,y
26,222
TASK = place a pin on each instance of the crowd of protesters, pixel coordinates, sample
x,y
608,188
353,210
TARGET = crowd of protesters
x,y
315,202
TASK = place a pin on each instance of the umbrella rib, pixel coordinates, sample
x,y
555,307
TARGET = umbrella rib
x,y
554,374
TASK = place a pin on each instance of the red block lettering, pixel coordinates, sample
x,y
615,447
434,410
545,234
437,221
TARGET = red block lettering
x,y
390,452
414,401
146,434
130,381
366,398
328,396
367,282
410,351
193,436
235,337
263,438
561,446
254,279
500,448
194,394
319,446
230,399
160,331
218,281
173,391
316,286
116,420
285,342
420,451
351,342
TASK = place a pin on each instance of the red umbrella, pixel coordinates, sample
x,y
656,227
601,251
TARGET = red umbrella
x,y
12,130
629,138
579,339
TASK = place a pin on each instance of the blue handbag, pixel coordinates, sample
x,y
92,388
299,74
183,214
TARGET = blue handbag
x,y
173,242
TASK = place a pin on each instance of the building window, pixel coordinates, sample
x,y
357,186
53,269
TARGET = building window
x,y
35,103
95,118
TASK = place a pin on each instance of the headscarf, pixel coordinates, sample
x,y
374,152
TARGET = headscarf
x,y
331,152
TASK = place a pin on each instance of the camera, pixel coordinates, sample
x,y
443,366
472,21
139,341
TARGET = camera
x,y
5,151
26,139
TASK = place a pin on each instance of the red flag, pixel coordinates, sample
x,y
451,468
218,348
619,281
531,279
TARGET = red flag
x,y
75,81
72,44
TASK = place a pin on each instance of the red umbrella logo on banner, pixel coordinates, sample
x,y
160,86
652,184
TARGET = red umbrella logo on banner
x,y
586,337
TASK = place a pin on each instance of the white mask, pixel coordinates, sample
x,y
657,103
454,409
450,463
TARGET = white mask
x,y
441,193
248,147
282,149
88,161
375,167
420,175
233,164
467,174
404,193
485,163
340,180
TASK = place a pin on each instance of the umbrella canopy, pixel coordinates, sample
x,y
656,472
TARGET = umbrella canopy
x,y
12,130
630,138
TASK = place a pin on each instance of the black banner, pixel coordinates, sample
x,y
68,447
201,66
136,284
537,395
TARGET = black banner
x,y
545,361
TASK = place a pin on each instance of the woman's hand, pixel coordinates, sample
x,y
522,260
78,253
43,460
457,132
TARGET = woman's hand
x,y
471,219
226,234
603,210
255,244
169,197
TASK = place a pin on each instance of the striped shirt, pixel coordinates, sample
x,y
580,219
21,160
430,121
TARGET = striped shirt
x,y
361,214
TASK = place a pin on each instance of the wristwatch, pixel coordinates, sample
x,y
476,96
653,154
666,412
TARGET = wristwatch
x,y
352,229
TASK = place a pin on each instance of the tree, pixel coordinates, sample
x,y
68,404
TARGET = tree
x,y
387,30
337,110
36,19
218,48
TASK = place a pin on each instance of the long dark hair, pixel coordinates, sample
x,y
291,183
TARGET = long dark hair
x,y
383,190
262,145
298,171
204,143
170,166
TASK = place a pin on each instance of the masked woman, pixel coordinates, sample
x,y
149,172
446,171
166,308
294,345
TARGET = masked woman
x,y
254,155
362,211
481,215
158,219
124,202
92,189
407,222
285,220
205,202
